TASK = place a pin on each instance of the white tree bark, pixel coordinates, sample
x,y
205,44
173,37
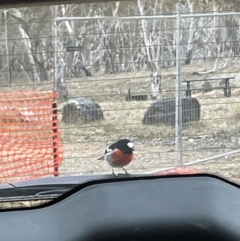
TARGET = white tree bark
x,y
191,31
153,56
67,23
28,46
156,85
141,6
6,43
15,13
61,85
123,42
116,9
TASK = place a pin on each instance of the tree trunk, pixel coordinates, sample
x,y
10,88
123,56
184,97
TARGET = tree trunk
x,y
16,14
61,85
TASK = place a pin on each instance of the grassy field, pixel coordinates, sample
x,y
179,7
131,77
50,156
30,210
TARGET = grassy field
x,y
217,132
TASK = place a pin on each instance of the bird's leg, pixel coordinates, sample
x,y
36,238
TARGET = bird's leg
x,y
125,171
113,173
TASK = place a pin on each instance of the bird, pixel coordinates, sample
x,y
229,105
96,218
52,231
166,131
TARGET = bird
x,y
119,154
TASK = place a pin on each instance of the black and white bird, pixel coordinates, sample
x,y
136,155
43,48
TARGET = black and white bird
x,y
119,154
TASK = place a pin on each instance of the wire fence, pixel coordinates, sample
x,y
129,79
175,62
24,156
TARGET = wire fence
x,y
128,78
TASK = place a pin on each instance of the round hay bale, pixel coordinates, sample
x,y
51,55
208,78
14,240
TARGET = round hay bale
x,y
163,112
81,110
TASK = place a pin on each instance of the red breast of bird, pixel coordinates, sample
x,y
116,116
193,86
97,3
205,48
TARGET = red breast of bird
x,y
117,158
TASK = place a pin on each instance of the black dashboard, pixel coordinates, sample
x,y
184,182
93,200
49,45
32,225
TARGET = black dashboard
x,y
186,208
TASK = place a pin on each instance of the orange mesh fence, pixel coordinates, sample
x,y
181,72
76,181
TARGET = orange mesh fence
x,y
30,141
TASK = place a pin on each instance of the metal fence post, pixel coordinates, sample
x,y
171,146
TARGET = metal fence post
x,y
178,93
54,105
55,47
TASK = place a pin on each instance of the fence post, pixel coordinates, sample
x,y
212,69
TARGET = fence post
x,y
178,94
55,130
55,46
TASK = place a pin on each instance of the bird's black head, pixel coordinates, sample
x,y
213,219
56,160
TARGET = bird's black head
x,y
125,145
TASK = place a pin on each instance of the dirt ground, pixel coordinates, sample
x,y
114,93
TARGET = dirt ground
x,y
217,131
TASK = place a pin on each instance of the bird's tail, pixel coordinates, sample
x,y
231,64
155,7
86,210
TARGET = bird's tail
x,y
101,158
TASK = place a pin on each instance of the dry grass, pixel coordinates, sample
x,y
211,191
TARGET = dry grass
x,y
84,143
22,204
154,144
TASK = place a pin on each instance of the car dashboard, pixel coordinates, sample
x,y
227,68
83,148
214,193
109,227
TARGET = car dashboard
x,y
199,207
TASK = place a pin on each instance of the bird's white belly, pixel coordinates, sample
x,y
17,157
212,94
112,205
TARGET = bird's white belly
x,y
108,158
